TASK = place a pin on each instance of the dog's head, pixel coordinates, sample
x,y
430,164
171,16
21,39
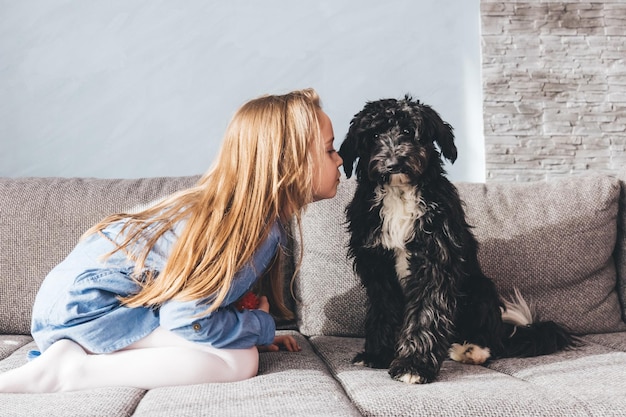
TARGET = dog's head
x,y
390,137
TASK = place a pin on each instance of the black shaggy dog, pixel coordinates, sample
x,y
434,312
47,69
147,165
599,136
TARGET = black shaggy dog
x,y
416,256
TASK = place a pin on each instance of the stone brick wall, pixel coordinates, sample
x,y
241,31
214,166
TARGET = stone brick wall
x,y
554,84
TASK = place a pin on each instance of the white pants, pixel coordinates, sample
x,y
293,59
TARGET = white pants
x,y
160,359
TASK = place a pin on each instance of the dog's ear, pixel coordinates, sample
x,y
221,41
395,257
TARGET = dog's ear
x,y
352,146
349,150
364,124
440,132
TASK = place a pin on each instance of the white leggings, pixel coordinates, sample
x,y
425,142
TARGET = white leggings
x,y
160,359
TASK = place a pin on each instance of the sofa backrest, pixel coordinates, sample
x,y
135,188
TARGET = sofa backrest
x,y
555,241
620,248
41,219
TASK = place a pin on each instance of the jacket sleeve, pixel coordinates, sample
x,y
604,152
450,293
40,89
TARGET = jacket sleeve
x,y
224,328
227,327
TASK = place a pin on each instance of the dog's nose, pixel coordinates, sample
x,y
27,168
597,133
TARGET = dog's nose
x,y
392,166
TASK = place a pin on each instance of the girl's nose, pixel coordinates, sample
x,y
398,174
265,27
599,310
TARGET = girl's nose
x,y
339,160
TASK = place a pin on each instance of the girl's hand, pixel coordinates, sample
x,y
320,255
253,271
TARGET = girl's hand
x,y
286,341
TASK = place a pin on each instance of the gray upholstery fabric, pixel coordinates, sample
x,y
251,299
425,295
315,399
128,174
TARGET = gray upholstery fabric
x,y
100,402
561,234
330,298
615,341
288,384
10,343
554,241
109,402
41,219
592,374
460,389
18,357
620,250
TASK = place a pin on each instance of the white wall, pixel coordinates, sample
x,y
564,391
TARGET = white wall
x,y
132,88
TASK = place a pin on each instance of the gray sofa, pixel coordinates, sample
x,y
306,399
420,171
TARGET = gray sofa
x,y
562,243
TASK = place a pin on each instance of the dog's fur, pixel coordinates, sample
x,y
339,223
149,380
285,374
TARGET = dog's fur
x,y
417,257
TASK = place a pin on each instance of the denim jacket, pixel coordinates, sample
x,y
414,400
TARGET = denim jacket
x,y
78,300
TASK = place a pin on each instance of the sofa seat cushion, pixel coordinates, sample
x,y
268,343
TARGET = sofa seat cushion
x,y
616,341
110,402
554,241
593,374
476,390
288,384
10,343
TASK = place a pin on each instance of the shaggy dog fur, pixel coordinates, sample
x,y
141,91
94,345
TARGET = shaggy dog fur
x,y
416,256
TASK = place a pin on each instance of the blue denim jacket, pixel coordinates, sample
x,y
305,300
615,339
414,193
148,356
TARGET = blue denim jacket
x,y
78,300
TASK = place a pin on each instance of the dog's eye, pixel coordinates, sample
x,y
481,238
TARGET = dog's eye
x,y
407,131
376,135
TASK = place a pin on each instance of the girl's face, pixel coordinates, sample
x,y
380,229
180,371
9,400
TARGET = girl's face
x,y
326,171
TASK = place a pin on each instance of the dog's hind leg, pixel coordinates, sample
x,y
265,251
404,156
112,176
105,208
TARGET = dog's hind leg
x,y
469,353
479,324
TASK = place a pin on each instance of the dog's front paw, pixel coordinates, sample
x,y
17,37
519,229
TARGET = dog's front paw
x,y
404,370
370,360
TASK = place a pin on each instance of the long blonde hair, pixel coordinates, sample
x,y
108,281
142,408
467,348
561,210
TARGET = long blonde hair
x,y
263,174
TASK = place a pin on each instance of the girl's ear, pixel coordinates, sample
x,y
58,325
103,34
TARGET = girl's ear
x,y
348,151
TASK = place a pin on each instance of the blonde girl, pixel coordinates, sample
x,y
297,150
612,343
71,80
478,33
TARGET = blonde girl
x,y
147,299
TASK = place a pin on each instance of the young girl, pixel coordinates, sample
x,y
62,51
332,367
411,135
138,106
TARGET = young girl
x,y
147,299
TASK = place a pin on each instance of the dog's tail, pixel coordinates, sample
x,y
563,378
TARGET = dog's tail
x,y
525,337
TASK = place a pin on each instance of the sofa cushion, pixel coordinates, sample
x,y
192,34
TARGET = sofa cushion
x,y
464,390
552,240
620,249
288,384
593,374
616,341
330,299
110,401
41,219
9,343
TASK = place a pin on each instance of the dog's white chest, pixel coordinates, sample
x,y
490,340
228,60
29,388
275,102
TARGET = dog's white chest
x,y
401,206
